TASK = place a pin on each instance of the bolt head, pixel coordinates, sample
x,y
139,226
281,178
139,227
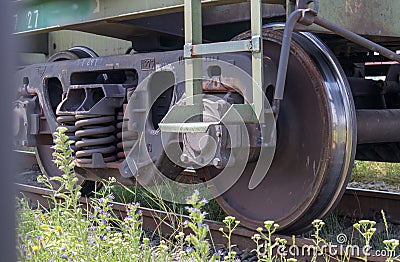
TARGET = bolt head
x,y
184,158
216,162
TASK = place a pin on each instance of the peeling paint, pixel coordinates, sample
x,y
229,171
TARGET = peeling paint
x,y
97,9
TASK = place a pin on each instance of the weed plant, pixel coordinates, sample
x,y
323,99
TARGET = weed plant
x,y
71,231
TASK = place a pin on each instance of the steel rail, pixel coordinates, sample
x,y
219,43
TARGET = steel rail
x,y
367,204
26,160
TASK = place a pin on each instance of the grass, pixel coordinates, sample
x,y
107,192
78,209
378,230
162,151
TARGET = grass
x,y
139,194
372,172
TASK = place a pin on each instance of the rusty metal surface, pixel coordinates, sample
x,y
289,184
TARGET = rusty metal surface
x,y
367,204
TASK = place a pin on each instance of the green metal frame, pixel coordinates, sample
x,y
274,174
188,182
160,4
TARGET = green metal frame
x,y
193,67
41,16
257,59
236,115
173,122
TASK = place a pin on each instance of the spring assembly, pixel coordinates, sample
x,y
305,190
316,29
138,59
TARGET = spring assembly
x,y
68,121
126,141
95,135
120,149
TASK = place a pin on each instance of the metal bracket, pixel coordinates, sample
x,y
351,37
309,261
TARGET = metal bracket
x,y
237,114
193,71
256,43
253,45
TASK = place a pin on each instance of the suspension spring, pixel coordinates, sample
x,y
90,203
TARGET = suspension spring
x,y
68,121
120,122
126,141
95,135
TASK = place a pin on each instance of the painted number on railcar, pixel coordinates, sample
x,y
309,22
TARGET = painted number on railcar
x,y
148,64
88,62
31,19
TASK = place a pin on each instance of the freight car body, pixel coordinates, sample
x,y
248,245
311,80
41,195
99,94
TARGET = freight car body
x,y
272,118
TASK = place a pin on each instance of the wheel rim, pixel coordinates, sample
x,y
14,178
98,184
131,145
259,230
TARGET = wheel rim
x,y
315,145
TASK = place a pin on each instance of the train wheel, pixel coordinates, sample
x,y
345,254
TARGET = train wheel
x,y
315,143
44,151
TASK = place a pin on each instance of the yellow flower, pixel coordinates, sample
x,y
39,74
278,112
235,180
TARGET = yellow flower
x,y
35,248
45,227
58,228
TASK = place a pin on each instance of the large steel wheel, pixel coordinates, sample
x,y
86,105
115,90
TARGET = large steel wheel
x,y
44,150
315,144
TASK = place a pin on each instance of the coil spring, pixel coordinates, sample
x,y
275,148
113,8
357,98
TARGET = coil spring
x,y
120,149
95,134
128,137
68,122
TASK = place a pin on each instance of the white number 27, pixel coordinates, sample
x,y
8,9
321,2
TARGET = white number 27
x,y
33,19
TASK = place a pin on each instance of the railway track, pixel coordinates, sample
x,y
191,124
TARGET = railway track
x,y
160,221
356,203
367,204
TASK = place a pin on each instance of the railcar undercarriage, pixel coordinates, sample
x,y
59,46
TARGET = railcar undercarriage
x,y
139,115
